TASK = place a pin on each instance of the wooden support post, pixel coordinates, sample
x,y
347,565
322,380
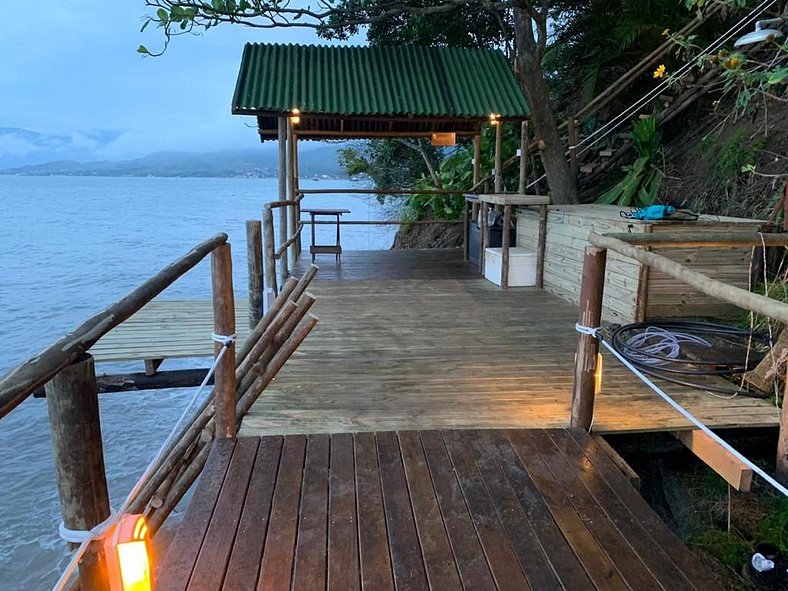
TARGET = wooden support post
x,y
77,449
541,246
224,324
781,468
499,157
523,157
284,126
507,220
734,471
484,236
465,221
254,259
477,173
152,366
591,290
574,163
269,249
293,195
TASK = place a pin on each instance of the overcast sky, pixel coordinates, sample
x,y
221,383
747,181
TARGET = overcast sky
x,y
70,69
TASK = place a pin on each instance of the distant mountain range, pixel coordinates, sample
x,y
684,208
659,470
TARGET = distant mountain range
x,y
29,153
319,161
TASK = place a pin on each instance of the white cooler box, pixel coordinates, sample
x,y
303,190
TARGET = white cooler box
x,y
522,266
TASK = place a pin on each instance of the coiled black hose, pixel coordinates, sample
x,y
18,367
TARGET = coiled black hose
x,y
677,350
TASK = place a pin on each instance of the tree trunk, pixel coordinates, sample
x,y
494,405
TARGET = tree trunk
x,y
528,66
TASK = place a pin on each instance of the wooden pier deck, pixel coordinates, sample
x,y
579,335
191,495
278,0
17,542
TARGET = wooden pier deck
x,y
425,510
448,350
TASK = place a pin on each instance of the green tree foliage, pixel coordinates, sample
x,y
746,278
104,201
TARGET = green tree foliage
x,y
643,178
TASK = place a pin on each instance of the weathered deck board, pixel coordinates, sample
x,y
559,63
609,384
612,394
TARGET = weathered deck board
x,y
439,510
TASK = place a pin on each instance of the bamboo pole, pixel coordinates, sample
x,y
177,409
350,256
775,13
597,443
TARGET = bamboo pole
x,y
591,290
224,324
704,284
78,453
499,157
269,316
23,380
254,259
269,250
276,363
523,157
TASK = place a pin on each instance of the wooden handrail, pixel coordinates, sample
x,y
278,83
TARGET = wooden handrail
x,y
285,245
701,240
21,381
703,283
379,222
392,192
276,204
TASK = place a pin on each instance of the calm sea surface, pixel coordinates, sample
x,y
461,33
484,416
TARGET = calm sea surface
x,y
71,246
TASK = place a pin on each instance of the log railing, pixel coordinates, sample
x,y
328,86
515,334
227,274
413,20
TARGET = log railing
x,y
67,371
592,289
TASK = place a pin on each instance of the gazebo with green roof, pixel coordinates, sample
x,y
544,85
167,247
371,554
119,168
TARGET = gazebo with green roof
x,y
353,92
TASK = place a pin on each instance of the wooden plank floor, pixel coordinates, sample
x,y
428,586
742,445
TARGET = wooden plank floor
x,y
456,353
167,329
438,510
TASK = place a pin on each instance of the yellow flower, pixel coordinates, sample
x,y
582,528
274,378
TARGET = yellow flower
x,y
666,32
660,71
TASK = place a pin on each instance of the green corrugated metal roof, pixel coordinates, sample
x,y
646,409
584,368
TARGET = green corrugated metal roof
x,y
377,81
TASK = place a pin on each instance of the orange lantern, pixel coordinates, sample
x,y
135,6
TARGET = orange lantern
x,y
128,561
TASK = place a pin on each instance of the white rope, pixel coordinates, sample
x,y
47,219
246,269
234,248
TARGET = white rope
x,y
77,536
685,413
226,341
593,332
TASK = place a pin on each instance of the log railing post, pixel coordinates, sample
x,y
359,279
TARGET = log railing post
x,y
269,250
507,221
591,291
254,259
781,467
285,183
224,324
72,401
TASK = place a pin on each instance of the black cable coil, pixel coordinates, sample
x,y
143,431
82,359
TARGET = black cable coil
x,y
681,351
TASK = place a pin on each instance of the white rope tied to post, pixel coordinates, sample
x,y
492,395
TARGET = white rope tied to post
x,y
592,332
684,412
77,536
101,530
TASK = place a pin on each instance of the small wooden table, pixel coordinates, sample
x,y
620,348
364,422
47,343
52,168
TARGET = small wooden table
x,y
507,200
335,249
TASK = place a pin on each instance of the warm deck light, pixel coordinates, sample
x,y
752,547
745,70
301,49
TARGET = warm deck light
x,y
126,549
494,119
598,374
444,139
295,116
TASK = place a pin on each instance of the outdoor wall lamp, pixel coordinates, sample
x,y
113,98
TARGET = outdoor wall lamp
x,y
763,31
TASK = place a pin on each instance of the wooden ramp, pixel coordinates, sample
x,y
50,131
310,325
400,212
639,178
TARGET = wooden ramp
x,y
436,510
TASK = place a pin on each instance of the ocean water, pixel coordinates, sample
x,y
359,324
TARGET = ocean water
x,y
71,246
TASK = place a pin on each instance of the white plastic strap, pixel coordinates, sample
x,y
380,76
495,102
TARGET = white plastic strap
x,y
223,339
588,330
78,536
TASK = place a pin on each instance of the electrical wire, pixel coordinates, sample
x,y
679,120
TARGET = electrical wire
x,y
685,352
